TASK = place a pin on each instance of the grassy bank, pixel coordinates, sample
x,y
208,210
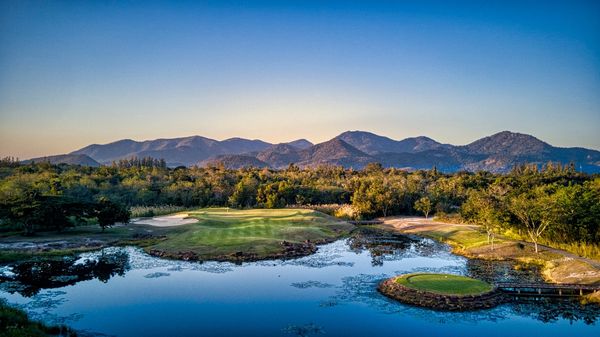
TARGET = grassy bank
x,y
15,323
259,233
218,233
471,241
17,247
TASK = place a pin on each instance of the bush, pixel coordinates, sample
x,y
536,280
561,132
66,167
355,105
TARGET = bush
x,y
15,322
150,211
347,212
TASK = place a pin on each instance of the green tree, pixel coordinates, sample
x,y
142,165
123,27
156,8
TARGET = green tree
x,y
536,211
108,213
485,208
423,205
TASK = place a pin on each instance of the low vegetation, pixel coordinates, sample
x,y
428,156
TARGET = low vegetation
x,y
15,323
150,211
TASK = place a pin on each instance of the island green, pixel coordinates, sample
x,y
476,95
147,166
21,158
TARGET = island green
x,y
446,284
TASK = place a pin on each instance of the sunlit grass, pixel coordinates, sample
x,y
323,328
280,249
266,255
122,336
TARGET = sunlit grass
x,y
446,284
221,231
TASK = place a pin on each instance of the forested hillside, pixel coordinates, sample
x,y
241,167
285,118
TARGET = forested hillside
x,y
554,204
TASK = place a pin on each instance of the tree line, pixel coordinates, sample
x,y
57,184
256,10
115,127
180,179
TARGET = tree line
x,y
554,203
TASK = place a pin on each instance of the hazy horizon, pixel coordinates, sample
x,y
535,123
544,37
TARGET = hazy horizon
x,y
74,74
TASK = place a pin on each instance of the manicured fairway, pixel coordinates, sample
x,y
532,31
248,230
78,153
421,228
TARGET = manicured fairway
x,y
446,284
223,231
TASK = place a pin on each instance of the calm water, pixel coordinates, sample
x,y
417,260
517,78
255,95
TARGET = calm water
x,y
124,292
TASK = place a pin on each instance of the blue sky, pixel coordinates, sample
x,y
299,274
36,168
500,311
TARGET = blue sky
x,y
79,72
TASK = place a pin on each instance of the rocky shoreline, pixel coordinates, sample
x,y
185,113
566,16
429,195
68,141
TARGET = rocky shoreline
x,y
431,300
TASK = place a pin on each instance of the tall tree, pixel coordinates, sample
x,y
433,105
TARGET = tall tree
x,y
536,212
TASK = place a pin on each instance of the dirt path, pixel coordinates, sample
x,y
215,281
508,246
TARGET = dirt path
x,y
405,223
166,221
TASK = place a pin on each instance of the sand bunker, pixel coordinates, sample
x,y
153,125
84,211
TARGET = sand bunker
x,y
167,220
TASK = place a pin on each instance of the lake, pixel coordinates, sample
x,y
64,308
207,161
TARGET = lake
x,y
121,291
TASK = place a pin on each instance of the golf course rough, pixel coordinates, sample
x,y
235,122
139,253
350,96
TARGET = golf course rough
x,y
441,291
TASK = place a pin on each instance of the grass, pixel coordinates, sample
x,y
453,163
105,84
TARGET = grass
x,y
219,232
584,249
462,237
445,284
71,241
471,241
223,231
15,323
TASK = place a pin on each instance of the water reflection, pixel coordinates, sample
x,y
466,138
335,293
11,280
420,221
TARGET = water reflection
x,y
388,246
302,297
504,271
28,278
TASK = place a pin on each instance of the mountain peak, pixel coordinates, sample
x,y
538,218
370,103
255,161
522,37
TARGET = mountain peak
x,y
508,143
497,153
300,143
335,152
70,159
374,144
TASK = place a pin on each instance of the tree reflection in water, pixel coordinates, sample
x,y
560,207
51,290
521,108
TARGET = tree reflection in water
x,y
384,246
387,246
28,278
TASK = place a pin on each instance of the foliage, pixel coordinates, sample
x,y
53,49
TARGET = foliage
x,y
150,211
15,323
423,205
108,213
555,205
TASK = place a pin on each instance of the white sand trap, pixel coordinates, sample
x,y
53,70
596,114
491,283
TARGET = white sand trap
x,y
167,220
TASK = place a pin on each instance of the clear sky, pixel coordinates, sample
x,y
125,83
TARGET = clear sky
x,y
74,73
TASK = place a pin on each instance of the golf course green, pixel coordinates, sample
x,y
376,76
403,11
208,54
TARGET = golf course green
x,y
253,234
441,291
446,284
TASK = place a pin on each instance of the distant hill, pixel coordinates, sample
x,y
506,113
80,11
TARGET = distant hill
x,y
496,153
503,150
71,159
281,155
177,151
234,161
372,144
301,144
334,152
508,143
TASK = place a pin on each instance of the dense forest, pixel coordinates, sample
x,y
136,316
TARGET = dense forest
x,y
554,204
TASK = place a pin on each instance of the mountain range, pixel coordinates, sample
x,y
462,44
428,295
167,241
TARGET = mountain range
x,y
496,153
